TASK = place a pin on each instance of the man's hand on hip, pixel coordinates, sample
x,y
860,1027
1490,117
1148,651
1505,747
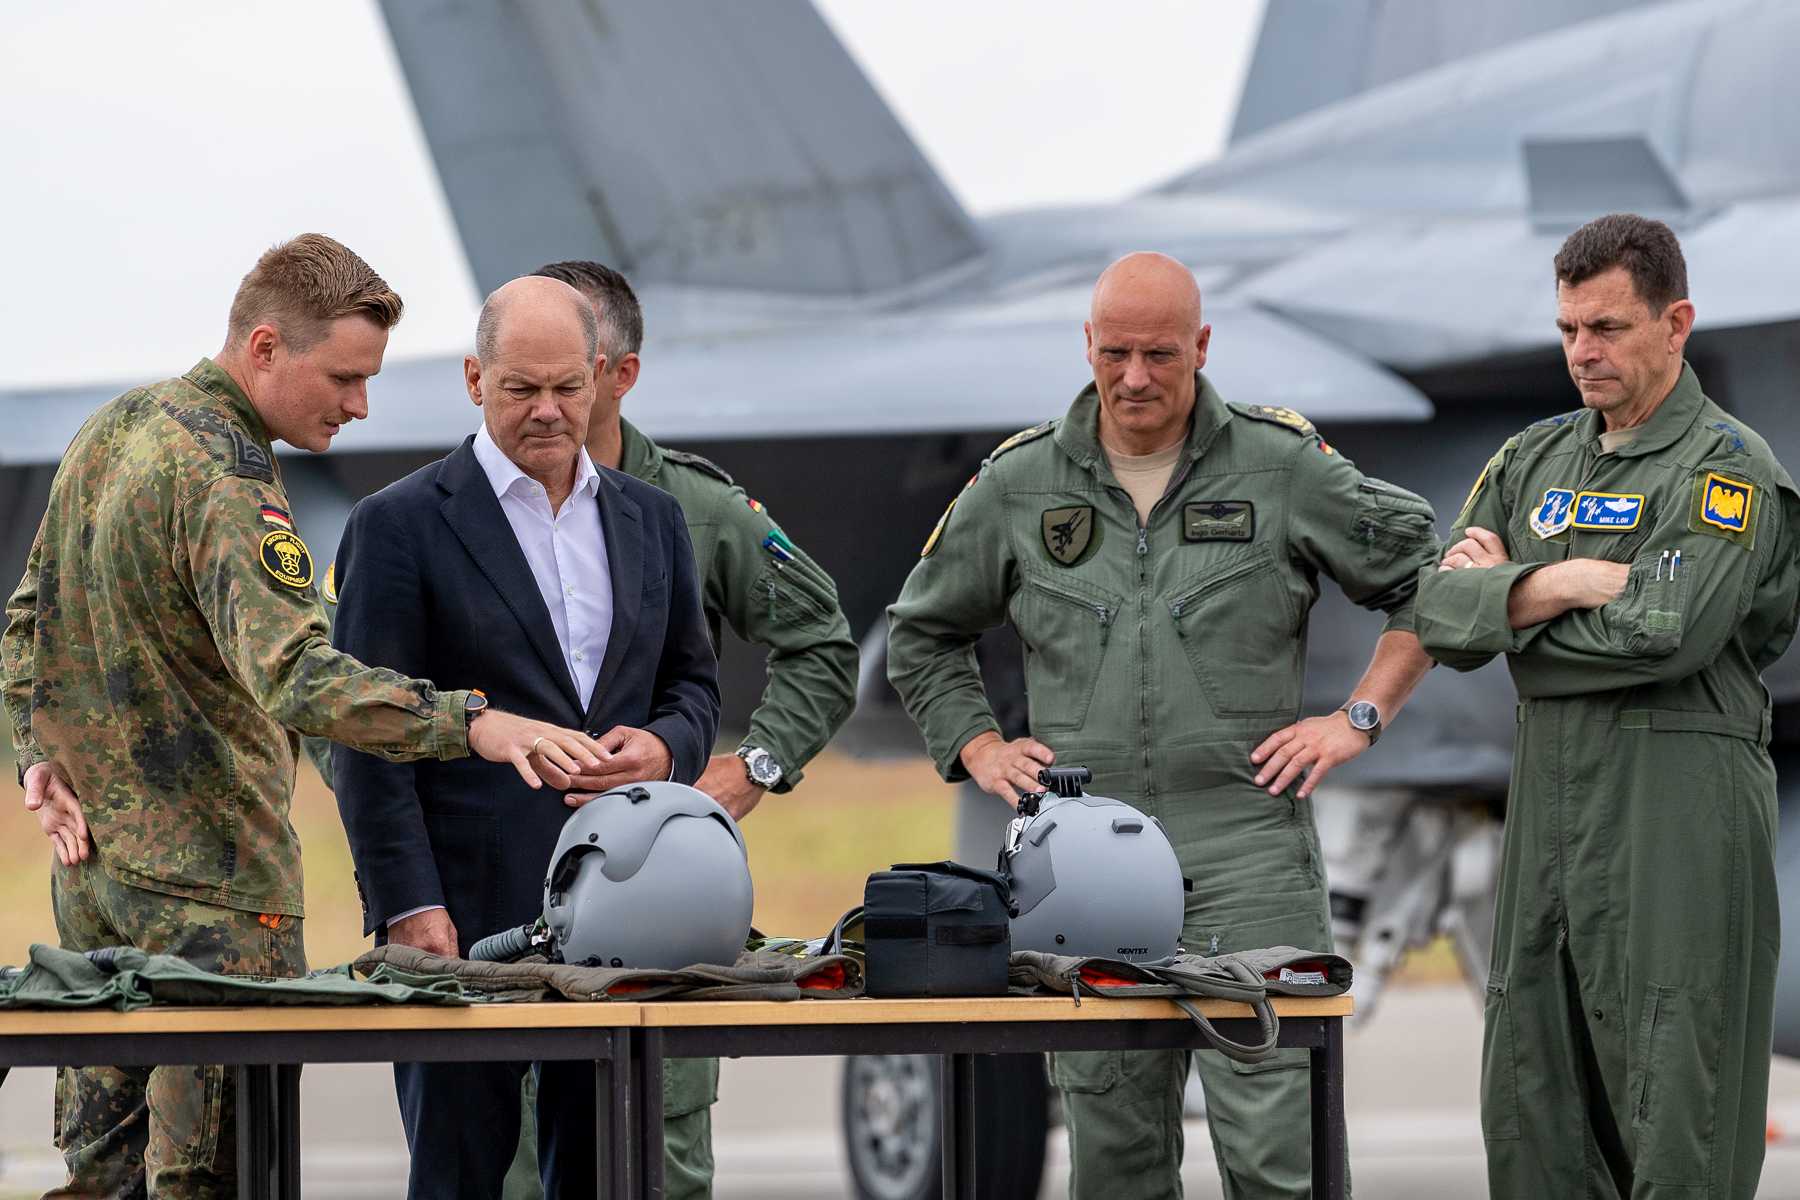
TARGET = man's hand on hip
x,y
50,795
541,752
726,781
430,931
1314,745
627,755
1006,769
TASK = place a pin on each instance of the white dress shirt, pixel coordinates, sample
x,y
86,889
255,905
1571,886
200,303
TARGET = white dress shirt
x,y
566,551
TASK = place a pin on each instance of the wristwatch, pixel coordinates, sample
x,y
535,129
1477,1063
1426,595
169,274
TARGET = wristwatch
x,y
474,706
1364,718
760,766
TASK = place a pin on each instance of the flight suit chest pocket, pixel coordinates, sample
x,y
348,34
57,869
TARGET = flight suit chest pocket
x,y
1237,624
1066,627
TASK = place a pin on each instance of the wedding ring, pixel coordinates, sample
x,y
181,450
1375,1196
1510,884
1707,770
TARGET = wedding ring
x,y
534,746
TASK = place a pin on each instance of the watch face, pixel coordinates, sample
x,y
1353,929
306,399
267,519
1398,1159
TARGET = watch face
x,y
763,768
1364,715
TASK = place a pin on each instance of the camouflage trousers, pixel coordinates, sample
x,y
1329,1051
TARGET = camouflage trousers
x,y
167,1131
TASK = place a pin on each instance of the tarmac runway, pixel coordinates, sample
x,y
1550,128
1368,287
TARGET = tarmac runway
x,y
1412,1076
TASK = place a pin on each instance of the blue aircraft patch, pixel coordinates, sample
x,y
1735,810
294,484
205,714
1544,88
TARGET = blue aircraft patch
x,y
1552,516
1607,512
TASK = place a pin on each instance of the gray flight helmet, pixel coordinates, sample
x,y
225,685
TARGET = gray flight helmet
x,y
1093,877
651,875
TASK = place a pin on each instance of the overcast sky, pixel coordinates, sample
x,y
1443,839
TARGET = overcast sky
x,y
149,151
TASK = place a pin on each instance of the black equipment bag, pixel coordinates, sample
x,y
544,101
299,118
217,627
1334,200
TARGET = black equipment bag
x,y
936,929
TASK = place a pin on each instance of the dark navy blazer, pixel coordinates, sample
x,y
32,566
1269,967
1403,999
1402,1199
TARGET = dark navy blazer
x,y
431,582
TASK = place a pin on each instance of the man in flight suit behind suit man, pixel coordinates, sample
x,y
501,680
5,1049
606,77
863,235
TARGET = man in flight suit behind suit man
x,y
1157,550
165,644
1635,560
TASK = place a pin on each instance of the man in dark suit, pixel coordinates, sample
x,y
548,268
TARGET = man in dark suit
x,y
569,590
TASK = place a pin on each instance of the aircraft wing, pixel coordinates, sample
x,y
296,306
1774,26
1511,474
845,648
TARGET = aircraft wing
x,y
983,367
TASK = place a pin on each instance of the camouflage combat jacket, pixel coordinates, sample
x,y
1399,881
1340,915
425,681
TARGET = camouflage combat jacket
x,y
167,639
776,597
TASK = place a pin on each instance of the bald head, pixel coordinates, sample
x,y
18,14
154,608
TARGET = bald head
x,y
544,310
1145,287
1145,342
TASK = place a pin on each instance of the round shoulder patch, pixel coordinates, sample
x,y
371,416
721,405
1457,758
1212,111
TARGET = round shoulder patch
x,y
286,557
328,589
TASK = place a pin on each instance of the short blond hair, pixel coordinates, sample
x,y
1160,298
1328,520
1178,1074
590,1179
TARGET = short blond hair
x,y
302,285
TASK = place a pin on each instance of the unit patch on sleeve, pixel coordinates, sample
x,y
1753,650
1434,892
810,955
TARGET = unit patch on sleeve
x,y
1069,532
1554,512
1607,512
328,589
1218,521
1725,508
286,557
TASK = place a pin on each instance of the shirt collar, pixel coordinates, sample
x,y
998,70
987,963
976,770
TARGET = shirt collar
x,y
1079,432
638,455
216,382
1672,419
504,474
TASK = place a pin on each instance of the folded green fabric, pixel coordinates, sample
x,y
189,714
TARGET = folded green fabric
x,y
757,975
124,979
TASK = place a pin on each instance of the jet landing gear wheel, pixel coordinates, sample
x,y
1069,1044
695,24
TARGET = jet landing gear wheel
x,y
890,1120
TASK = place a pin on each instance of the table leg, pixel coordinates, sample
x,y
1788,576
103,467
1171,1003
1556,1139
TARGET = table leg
x,y
647,1082
614,1131
287,1130
255,1125
1328,1137
957,1125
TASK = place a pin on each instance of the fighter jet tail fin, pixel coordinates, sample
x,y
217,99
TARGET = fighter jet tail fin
x,y
720,145
1572,180
1310,54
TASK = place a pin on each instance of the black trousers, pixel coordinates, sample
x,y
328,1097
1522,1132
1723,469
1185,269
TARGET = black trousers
x,y
462,1127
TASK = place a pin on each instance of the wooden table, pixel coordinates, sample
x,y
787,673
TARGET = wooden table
x,y
627,1043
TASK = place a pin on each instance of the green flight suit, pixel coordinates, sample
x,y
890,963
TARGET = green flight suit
x,y
1630,1002
1160,657
791,607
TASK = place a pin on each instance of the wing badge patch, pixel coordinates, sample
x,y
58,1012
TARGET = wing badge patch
x,y
1607,512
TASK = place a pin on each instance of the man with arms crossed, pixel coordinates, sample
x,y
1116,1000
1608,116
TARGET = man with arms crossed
x,y
162,650
1157,550
1635,560
570,589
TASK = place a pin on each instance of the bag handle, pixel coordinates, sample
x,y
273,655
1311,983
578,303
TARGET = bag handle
x,y
946,867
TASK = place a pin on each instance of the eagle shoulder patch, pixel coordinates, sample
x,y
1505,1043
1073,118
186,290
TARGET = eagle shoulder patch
x,y
1725,508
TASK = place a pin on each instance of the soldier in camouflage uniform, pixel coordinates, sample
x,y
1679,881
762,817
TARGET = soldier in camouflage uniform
x,y
164,643
1157,550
